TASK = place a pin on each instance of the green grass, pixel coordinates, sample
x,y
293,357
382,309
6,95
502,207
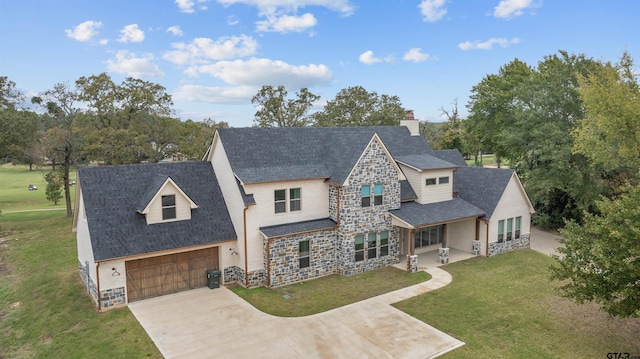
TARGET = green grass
x,y
14,195
322,294
44,311
505,307
488,160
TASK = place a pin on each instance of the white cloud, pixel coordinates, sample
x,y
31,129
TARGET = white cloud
x,y
187,5
487,45
367,58
416,55
507,9
131,33
217,95
232,20
85,31
175,30
103,41
432,10
203,49
342,6
127,63
257,72
286,23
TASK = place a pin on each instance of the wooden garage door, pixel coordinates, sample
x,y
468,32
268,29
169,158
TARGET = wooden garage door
x,y
151,277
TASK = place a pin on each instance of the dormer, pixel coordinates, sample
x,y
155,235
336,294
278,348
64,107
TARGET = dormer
x,y
164,201
430,177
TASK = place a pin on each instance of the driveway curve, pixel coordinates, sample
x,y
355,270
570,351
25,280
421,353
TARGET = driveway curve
x,y
206,323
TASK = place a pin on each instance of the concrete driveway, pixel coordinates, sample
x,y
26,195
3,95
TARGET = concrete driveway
x,y
544,241
205,323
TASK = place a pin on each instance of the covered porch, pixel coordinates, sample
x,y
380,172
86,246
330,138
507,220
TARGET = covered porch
x,y
436,233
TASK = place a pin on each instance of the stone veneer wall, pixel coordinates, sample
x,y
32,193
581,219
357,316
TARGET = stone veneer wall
x,y
112,297
230,274
283,262
92,289
374,167
506,246
236,274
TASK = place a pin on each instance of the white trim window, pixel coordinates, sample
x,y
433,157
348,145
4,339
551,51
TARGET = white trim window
x,y
518,220
377,246
509,229
501,231
303,254
292,197
443,180
366,195
168,207
359,248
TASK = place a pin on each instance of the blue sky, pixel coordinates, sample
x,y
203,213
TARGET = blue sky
x,y
212,56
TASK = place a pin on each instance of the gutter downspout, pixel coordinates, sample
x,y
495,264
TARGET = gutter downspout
x,y
98,285
268,262
338,207
411,233
486,247
246,260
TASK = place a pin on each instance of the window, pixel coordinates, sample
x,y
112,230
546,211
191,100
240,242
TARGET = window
x,y
365,192
303,254
509,229
168,207
384,243
294,199
280,200
500,230
378,189
518,219
428,236
443,180
431,181
359,246
372,247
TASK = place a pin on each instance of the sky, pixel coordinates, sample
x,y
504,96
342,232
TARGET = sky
x,y
213,56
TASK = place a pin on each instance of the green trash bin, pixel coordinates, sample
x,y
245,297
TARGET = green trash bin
x,y
213,278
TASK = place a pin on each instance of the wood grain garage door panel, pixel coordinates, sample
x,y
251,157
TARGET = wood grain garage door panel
x,y
152,277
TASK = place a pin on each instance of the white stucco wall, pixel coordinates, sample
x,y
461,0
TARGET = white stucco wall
x,y
233,200
513,203
113,274
314,205
83,239
460,235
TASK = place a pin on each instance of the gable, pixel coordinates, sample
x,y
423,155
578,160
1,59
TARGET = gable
x,y
376,160
153,209
482,186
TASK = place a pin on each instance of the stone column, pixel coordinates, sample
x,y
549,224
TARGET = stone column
x,y
444,255
475,247
412,261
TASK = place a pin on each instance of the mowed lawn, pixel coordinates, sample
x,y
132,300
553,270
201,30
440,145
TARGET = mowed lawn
x,y
505,307
44,311
14,195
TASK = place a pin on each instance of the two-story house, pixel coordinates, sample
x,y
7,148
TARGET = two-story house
x,y
272,206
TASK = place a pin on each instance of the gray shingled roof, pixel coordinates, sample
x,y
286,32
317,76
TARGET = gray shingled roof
x,y
406,191
452,156
424,161
482,186
112,194
278,154
298,227
420,215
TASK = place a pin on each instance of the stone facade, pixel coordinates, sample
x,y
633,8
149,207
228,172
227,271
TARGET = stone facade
x,y
373,168
413,263
236,274
230,274
283,263
112,297
506,246
443,254
476,247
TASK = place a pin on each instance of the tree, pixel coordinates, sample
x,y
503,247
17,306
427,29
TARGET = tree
x,y
452,130
433,133
54,186
275,110
19,127
196,137
355,106
61,141
601,260
609,133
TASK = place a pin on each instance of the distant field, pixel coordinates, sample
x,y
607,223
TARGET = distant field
x,y
488,160
14,194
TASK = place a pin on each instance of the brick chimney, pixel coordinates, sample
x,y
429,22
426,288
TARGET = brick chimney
x,y
411,123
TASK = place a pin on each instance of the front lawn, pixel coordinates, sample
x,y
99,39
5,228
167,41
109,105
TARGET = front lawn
x,y
14,195
505,307
322,294
44,311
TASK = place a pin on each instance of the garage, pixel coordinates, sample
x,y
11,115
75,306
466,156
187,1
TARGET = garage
x,y
156,276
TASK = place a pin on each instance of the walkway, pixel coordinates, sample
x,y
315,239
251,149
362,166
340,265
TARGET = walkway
x,y
206,323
